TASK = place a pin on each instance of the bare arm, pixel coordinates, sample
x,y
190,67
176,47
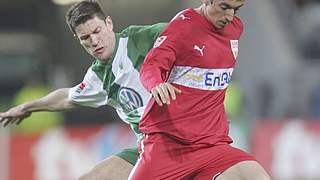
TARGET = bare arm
x,y
54,101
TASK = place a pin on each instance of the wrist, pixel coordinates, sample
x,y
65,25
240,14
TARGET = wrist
x,y
24,107
28,107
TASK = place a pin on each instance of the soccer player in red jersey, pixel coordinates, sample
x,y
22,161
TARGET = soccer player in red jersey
x,y
185,124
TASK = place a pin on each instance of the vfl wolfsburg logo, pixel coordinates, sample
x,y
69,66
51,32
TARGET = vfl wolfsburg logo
x,y
129,99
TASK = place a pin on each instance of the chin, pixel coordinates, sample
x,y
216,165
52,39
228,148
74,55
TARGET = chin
x,y
219,26
100,56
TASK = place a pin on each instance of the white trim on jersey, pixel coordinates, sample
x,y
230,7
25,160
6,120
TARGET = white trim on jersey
x,y
201,78
178,15
216,175
90,92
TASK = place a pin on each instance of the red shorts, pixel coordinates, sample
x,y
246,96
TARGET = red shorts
x,y
164,158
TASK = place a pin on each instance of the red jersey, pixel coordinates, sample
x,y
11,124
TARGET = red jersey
x,y
198,59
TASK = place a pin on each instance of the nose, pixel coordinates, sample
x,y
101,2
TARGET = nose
x,y
229,15
94,40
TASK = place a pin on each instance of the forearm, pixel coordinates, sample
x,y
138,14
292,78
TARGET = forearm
x,y
150,77
159,61
54,101
155,69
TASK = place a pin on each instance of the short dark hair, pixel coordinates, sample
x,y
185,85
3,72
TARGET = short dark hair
x,y
82,11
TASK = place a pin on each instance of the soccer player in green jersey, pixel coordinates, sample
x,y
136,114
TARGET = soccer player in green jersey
x,y
112,79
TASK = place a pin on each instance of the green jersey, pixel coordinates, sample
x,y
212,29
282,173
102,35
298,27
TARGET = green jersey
x,y
117,83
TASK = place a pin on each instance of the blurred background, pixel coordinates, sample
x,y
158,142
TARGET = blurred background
x,y
273,101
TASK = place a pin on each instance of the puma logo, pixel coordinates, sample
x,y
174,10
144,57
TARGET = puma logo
x,y
199,49
184,17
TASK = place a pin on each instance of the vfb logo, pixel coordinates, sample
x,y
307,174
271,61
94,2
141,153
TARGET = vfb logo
x,y
129,99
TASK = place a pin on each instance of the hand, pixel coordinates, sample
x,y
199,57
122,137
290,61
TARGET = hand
x,y
14,115
163,92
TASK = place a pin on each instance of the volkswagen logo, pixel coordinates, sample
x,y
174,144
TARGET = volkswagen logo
x,y
129,99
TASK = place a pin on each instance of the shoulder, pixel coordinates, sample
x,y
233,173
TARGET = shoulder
x,y
237,24
234,29
183,23
135,30
140,38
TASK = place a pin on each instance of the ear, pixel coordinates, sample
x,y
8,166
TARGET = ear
x,y
109,23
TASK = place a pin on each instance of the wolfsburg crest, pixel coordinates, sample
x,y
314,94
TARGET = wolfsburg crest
x,y
235,48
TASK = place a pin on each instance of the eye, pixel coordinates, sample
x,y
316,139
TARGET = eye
x,y
224,8
97,30
84,38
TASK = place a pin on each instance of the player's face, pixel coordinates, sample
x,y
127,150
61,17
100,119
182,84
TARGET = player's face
x,y
221,12
97,37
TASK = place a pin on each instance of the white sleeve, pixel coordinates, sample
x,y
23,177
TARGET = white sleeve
x,y
89,92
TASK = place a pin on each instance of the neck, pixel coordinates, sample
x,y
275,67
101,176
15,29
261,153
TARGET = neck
x,y
104,61
202,10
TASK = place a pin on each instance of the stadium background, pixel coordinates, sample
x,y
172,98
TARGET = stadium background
x,y
273,103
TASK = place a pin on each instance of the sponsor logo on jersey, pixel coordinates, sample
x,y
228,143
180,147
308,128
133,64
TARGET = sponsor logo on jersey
x,y
159,41
234,47
196,47
201,78
217,79
129,99
178,15
194,77
183,17
81,87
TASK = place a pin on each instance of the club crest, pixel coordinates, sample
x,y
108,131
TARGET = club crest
x,y
235,48
129,99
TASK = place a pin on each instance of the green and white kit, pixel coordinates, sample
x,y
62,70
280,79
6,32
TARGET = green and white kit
x,y
117,83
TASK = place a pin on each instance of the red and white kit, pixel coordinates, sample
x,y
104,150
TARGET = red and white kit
x,y
189,136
